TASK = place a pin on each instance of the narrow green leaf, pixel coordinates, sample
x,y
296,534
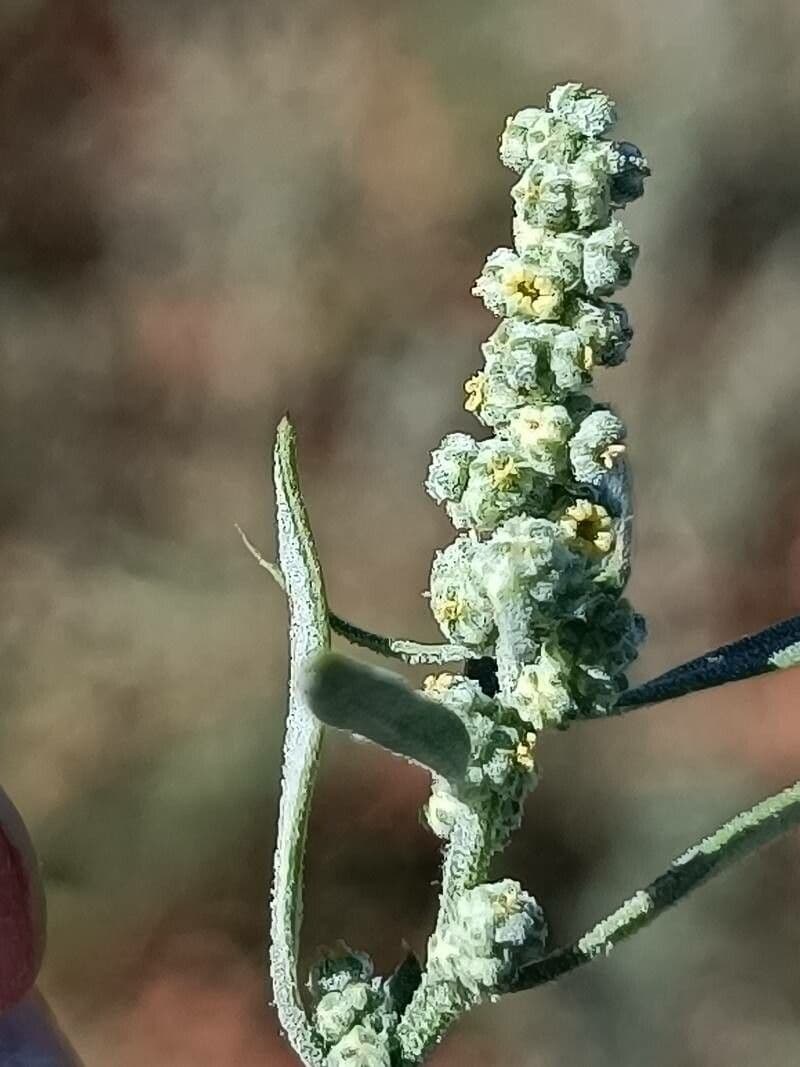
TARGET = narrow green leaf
x,y
414,652
309,634
739,836
773,649
380,706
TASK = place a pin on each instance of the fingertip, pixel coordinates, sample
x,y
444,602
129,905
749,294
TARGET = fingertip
x,y
22,908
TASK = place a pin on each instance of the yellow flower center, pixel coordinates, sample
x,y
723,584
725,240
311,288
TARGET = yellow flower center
x,y
609,456
529,293
438,683
527,287
475,389
506,904
525,750
504,473
449,610
588,526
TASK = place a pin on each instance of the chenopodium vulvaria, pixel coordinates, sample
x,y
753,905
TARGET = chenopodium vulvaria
x,y
529,595
533,581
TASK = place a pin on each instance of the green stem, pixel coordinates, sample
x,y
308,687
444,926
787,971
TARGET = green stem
x,y
436,1005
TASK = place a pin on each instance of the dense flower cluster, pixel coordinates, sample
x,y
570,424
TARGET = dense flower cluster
x,y
354,1014
500,768
493,931
535,575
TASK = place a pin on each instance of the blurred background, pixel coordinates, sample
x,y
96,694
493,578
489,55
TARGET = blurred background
x,y
210,213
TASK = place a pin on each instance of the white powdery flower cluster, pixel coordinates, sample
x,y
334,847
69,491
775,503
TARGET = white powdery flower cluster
x,y
354,1016
500,769
534,577
493,930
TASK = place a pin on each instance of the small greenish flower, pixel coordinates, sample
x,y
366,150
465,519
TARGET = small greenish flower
x,y
338,1012
543,196
589,111
534,135
361,1047
529,362
524,552
500,481
542,695
494,930
557,256
570,363
603,328
588,527
608,258
449,467
597,447
458,600
510,285
540,434
591,178
558,197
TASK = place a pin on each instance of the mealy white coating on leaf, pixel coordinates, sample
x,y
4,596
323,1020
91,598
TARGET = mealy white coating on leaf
x,y
601,938
786,657
309,634
747,824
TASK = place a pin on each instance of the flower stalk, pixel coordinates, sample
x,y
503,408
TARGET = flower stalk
x,y
529,595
